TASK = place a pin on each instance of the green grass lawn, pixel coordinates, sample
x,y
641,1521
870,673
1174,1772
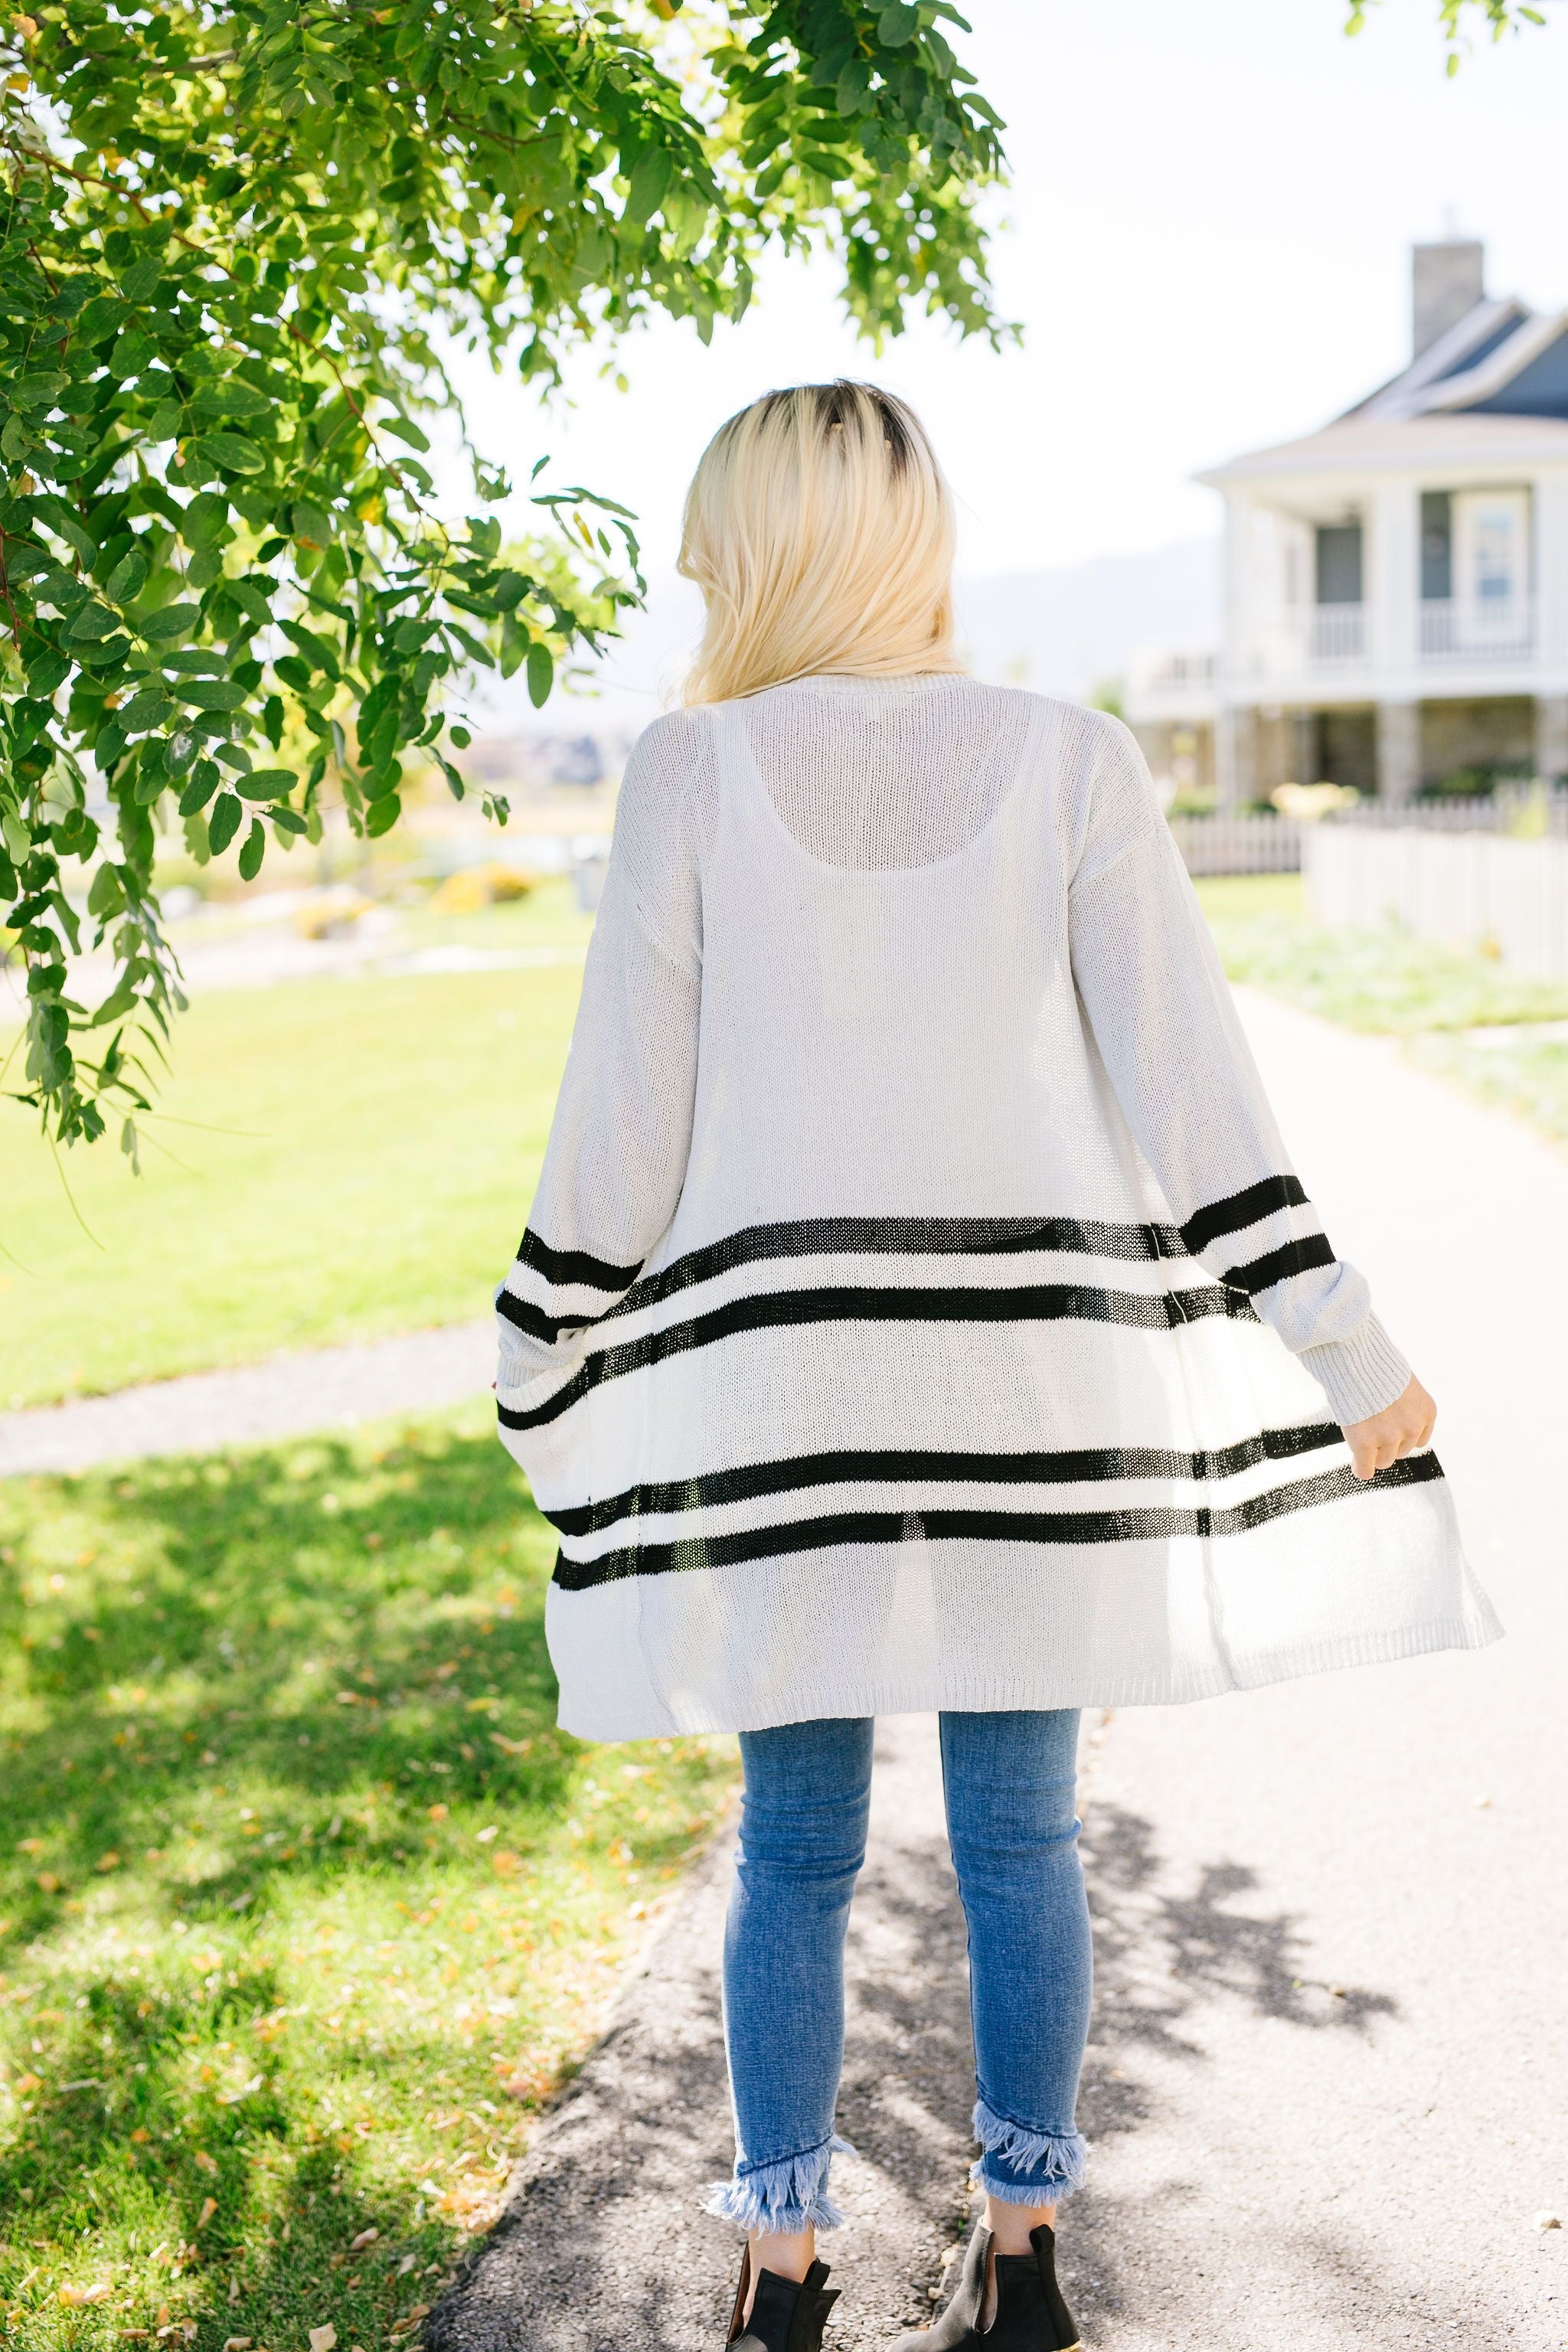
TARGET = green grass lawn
x,y
305,1904
1383,980
334,1159
359,1157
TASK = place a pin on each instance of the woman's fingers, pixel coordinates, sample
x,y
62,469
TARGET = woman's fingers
x,y
1385,1437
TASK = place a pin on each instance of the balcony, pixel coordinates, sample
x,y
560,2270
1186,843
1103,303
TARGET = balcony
x,y
1337,632
1499,631
1317,636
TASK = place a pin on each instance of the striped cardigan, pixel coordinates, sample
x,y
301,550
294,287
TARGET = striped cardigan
x,y
917,1309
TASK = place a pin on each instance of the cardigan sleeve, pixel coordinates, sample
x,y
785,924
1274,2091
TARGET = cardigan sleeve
x,y
1162,1017
615,1161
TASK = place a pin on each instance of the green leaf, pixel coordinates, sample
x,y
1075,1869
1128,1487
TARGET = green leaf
x,y
235,455
171,621
201,788
649,182
211,694
404,430
204,519
253,852
382,815
224,822
541,673
93,621
106,895
39,389
139,281
148,707
267,783
311,524
127,579
288,819
898,24
232,397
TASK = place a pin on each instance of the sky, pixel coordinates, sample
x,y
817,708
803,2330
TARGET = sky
x,y
1205,242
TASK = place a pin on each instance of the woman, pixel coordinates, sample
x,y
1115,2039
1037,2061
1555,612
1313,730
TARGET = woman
x,y
917,1311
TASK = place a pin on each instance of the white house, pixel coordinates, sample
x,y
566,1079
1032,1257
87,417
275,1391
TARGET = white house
x,y
1395,585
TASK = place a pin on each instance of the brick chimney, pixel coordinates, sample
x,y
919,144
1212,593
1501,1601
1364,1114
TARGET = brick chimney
x,y
1445,281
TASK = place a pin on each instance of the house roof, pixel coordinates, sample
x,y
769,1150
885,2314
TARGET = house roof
x,y
1494,384
1443,437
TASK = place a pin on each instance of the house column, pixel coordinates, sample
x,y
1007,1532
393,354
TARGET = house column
x,y
1552,737
1395,518
1235,756
1548,519
1398,750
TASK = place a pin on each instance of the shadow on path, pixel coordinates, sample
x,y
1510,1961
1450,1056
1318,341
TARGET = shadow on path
x,y
603,2247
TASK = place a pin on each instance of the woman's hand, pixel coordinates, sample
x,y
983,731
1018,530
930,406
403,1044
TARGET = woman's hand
x,y
1400,1428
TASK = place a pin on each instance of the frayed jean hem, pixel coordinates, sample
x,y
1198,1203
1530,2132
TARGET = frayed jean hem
x,y
785,2198
1052,2162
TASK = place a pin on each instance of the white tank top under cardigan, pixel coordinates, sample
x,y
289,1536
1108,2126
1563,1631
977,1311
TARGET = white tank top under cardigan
x,y
917,1309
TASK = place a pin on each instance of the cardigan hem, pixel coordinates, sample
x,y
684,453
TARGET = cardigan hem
x,y
1024,1692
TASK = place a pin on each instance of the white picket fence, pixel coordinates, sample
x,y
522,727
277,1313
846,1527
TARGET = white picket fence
x,y
1238,844
1477,890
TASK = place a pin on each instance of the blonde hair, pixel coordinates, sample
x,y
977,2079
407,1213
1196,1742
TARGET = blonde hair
x,y
820,530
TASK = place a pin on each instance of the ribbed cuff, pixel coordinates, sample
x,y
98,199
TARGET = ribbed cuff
x,y
1359,1376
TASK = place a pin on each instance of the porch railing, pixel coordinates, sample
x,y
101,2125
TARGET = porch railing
x,y
1458,632
1337,632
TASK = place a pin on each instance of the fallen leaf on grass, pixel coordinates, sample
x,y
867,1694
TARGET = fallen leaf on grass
x,y
208,2163
365,2238
107,1861
72,2296
323,2338
209,2206
24,2084
237,2343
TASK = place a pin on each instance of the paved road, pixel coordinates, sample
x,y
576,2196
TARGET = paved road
x,y
1329,2091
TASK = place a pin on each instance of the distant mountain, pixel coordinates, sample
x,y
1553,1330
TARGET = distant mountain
x,y
1067,632
1061,632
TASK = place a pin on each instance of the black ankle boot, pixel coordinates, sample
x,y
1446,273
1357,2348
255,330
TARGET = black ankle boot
x,y
785,2317
1031,2316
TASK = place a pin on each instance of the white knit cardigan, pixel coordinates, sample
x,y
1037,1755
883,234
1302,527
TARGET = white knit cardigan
x,y
917,1309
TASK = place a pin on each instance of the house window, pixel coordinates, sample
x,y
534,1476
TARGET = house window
x,y
1496,556
1339,567
1437,546
1491,556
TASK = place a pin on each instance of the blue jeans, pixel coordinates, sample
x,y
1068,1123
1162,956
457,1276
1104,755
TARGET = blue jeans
x,y
1008,1779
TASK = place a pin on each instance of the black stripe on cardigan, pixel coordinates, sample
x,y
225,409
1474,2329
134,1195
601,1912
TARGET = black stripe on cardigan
x,y
1277,1266
769,1310
1130,1526
1068,1468
573,1265
1233,1215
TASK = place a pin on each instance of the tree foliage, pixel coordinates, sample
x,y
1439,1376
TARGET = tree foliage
x,y
235,241
1455,19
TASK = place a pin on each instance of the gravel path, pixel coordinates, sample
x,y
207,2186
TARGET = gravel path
x,y
286,1396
